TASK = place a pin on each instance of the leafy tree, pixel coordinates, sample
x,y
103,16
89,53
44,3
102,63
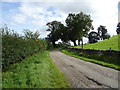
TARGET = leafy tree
x,y
85,26
118,28
55,28
64,34
103,32
30,35
78,26
93,37
72,29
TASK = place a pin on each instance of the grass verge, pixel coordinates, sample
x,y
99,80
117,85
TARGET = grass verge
x,y
37,71
74,54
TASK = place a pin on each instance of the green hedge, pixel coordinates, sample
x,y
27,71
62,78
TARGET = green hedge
x,y
15,47
108,56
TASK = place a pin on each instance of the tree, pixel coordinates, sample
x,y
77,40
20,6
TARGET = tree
x,y
30,35
64,34
78,26
55,28
86,25
118,28
103,32
72,29
93,37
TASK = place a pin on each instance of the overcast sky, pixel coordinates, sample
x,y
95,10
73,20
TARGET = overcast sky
x,y
34,14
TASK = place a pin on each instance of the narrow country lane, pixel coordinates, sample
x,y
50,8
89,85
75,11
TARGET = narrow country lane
x,y
84,74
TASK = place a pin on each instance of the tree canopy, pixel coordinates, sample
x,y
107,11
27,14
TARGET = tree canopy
x,y
93,37
30,35
78,26
103,32
55,29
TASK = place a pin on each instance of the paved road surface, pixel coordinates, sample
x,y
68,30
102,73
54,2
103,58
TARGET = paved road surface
x,y
84,74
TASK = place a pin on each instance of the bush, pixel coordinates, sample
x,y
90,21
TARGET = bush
x,y
15,47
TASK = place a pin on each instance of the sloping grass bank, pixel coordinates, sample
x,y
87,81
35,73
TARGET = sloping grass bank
x,y
112,43
74,54
37,71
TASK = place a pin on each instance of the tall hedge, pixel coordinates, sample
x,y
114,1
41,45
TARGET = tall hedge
x,y
15,47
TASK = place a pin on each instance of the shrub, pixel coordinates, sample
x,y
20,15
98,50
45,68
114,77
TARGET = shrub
x,y
15,47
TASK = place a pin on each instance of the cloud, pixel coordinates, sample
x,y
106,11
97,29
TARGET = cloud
x,y
38,16
29,9
41,15
44,1
19,18
39,12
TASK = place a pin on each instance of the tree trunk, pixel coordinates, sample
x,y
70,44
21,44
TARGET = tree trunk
x,y
53,43
78,41
74,43
82,42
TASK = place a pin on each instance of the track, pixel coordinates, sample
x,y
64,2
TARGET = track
x,y
84,74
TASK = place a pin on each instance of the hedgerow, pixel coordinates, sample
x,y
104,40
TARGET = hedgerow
x,y
15,47
107,56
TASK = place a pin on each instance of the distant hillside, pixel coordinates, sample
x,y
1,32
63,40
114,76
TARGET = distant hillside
x,y
105,45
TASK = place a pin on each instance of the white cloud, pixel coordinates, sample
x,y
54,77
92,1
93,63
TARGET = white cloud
x,y
29,9
32,14
19,18
110,24
43,0
103,12
41,15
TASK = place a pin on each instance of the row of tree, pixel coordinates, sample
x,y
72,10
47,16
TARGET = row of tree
x,y
77,27
102,34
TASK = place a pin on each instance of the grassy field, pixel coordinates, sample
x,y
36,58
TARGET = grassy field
x,y
76,55
37,71
104,45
